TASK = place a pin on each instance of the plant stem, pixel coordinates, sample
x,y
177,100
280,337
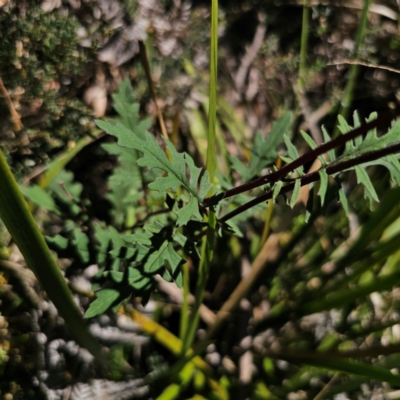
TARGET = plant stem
x,y
382,121
207,247
303,49
212,109
314,176
147,70
207,252
185,302
16,120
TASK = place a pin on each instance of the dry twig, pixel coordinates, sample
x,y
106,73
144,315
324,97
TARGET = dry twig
x,y
16,120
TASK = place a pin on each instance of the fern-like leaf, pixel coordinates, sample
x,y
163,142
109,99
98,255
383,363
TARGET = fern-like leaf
x,y
277,189
369,190
176,170
105,299
125,184
263,152
128,109
39,196
359,146
372,142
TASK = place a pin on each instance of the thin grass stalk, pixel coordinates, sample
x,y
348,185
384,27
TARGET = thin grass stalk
x,y
348,366
204,267
327,387
340,298
212,110
223,152
185,302
303,47
368,262
20,223
207,247
15,118
146,66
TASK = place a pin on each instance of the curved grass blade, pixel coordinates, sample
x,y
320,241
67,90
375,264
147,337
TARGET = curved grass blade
x,y
24,231
355,368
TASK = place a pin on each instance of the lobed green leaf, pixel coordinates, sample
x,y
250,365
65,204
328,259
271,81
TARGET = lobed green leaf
x,y
296,192
323,185
176,170
263,153
105,299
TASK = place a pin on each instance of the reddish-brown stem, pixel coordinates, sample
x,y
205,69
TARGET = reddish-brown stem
x,y
314,176
382,121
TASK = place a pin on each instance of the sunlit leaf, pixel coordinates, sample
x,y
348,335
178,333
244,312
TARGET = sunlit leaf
x,y
292,151
39,196
176,169
81,243
309,140
323,185
58,241
105,299
277,189
296,192
363,178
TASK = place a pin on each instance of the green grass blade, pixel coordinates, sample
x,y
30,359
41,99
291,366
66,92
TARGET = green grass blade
x,y
355,382
304,44
212,110
340,298
185,302
61,161
171,392
24,231
222,148
207,251
234,123
198,131
356,368
387,212
207,248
